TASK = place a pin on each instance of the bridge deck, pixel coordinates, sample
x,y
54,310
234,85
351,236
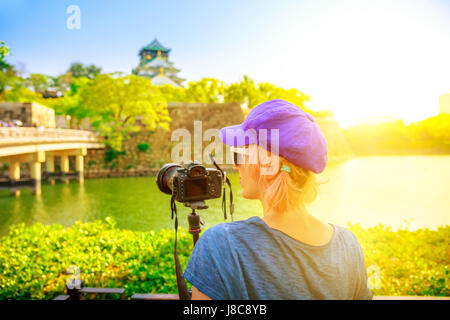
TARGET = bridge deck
x,y
16,141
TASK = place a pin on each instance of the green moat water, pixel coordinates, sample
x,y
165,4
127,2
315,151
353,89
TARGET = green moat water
x,y
397,191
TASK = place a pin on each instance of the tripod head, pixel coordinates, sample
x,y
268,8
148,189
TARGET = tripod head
x,y
196,205
194,218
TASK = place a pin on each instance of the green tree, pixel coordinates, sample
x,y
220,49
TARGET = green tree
x,y
8,78
268,91
114,103
245,91
77,69
206,90
252,93
429,135
172,93
12,86
39,82
22,94
437,127
7,72
70,103
64,81
4,52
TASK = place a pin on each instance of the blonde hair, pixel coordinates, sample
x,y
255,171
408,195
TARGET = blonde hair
x,y
281,189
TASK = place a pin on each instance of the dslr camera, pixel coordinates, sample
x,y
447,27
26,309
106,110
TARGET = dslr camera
x,y
190,183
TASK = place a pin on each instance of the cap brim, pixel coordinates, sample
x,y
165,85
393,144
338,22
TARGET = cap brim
x,y
233,136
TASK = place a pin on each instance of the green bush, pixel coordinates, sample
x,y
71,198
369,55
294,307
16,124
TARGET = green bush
x,y
112,154
34,259
410,262
142,146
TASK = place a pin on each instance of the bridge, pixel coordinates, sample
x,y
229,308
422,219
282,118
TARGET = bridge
x,y
42,145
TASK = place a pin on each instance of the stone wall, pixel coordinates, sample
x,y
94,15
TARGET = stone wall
x,y
136,162
212,115
31,114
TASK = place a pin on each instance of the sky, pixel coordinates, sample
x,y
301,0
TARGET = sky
x,y
356,58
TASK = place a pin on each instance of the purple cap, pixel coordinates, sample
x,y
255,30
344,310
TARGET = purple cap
x,y
300,139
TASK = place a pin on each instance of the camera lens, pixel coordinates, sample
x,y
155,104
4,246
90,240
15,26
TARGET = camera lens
x,y
165,177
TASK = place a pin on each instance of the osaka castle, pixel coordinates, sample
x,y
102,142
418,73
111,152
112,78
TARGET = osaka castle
x,y
155,65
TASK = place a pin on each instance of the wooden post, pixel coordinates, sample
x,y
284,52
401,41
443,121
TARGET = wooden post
x,y
65,166
73,289
50,167
14,174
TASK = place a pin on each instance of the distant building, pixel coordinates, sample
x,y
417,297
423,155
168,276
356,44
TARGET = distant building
x,y
154,64
444,103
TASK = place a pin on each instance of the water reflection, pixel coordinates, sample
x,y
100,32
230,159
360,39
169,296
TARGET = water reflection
x,y
406,191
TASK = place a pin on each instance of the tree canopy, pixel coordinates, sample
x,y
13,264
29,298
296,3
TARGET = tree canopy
x,y
429,135
4,51
77,69
115,102
252,93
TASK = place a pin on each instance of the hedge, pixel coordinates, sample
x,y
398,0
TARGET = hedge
x,y
410,262
34,259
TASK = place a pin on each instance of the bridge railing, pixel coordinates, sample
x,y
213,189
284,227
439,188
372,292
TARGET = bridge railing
x,y
17,136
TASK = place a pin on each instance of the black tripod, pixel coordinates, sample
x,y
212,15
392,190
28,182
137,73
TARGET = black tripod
x,y
194,228
194,219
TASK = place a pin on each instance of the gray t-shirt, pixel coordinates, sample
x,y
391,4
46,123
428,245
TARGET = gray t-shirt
x,y
249,260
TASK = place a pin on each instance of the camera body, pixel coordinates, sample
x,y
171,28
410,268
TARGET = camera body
x,y
190,183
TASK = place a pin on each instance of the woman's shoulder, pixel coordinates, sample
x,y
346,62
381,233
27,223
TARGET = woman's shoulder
x,y
347,237
233,230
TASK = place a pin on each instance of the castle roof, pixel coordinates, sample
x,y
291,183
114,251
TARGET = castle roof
x,y
157,67
156,46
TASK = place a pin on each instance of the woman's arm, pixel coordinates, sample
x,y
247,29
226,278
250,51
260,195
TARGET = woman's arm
x,y
198,295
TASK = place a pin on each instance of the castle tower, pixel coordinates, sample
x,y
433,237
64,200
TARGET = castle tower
x,y
154,64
